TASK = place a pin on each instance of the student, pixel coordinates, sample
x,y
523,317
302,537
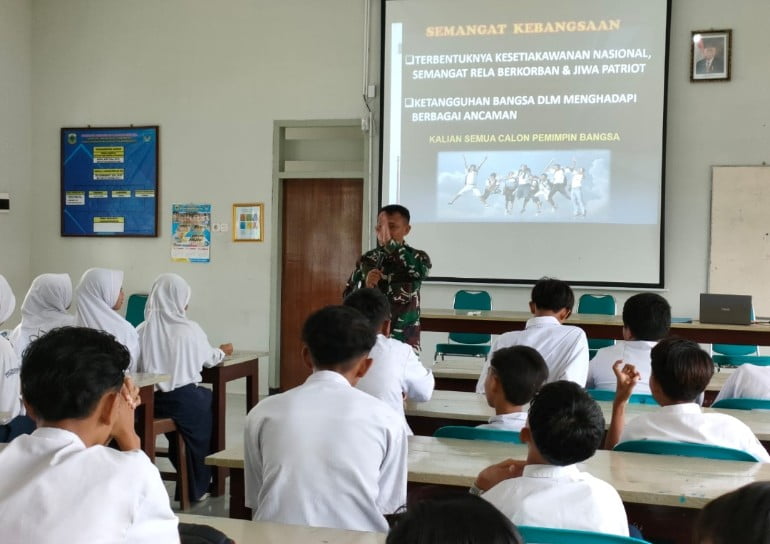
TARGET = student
x,y
514,376
15,423
172,344
565,427
740,516
99,297
61,483
44,308
564,348
396,373
396,269
325,454
464,519
680,373
646,319
747,382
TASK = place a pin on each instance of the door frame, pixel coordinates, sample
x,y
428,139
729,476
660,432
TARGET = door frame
x,y
315,169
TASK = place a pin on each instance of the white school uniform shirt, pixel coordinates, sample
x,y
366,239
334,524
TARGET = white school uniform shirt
x,y
54,489
97,292
688,423
506,422
635,352
10,385
564,348
577,180
325,454
396,371
169,342
560,498
44,308
748,382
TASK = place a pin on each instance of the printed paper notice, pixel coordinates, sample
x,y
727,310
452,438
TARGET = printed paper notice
x,y
109,225
75,198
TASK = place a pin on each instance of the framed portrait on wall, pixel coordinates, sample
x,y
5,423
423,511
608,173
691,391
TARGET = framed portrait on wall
x,y
248,222
710,55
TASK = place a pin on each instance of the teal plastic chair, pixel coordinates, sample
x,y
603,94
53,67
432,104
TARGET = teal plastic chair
x,y
684,449
463,343
743,404
474,433
135,309
738,354
544,535
636,398
597,304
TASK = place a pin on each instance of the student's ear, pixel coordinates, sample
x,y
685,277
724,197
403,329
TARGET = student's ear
x,y
532,307
30,411
525,435
107,408
385,329
363,367
306,358
563,314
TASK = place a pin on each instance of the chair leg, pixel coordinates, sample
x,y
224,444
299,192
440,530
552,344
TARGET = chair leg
x,y
182,480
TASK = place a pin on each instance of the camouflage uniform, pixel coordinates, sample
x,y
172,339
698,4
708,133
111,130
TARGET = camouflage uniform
x,y
403,268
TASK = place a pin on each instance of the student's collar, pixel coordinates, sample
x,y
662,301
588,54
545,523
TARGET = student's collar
x,y
550,471
59,435
684,408
327,376
542,321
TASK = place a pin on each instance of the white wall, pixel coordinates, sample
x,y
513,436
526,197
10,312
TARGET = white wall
x,y
15,146
214,76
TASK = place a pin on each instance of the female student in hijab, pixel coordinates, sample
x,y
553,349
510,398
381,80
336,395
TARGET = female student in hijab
x,y
172,344
44,308
99,297
11,422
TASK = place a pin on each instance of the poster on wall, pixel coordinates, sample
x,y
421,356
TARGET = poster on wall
x,y
109,181
191,233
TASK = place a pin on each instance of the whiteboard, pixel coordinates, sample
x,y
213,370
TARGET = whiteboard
x,y
739,258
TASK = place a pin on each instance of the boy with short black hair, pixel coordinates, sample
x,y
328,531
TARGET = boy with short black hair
x,y
681,370
564,348
396,269
62,480
646,320
514,377
325,454
396,372
565,427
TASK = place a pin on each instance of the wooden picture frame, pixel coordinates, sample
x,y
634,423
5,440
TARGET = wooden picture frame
x,y
249,222
711,55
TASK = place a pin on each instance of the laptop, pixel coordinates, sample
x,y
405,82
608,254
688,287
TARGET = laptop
x,y
725,309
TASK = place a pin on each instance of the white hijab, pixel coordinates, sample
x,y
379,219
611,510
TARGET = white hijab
x,y
97,293
44,308
171,343
10,386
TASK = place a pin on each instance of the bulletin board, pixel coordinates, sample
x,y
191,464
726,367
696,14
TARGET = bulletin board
x,y
109,181
739,260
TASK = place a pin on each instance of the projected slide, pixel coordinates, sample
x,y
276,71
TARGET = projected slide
x,y
525,113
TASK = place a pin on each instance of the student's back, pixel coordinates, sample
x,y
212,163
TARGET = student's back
x,y
324,453
9,362
747,382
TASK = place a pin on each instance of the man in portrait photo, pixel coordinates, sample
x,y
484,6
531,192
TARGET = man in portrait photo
x,y
712,56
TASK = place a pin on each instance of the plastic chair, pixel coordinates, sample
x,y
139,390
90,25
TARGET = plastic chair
x,y
597,304
544,535
474,433
738,354
463,343
743,404
684,449
135,309
608,395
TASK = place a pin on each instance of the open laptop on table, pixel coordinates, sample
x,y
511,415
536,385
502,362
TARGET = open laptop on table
x,y
726,309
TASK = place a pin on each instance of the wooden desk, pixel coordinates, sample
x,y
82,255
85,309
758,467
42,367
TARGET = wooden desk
x,y
145,413
241,364
596,326
462,408
264,532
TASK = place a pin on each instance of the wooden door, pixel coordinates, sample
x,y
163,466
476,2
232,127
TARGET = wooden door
x,y
321,243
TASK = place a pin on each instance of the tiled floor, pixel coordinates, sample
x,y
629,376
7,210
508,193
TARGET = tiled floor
x,y
213,506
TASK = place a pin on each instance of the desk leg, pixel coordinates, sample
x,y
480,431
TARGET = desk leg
x,y
145,415
219,401
238,508
252,386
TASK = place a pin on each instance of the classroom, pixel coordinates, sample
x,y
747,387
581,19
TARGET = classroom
x,y
216,77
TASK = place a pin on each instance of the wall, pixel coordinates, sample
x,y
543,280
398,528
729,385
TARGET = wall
x,y
15,146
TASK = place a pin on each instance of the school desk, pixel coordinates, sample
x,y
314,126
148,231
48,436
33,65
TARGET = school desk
x,y
265,532
595,326
463,408
670,487
461,374
241,364
145,412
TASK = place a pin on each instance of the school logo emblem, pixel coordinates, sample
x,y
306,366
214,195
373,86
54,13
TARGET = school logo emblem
x,y
72,138
147,137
